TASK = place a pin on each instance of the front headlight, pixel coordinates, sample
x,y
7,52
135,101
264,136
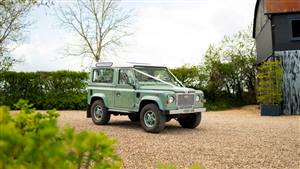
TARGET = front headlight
x,y
197,98
171,99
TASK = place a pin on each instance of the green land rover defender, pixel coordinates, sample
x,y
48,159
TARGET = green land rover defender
x,y
149,94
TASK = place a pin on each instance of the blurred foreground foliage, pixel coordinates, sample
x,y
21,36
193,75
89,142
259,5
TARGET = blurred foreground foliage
x,y
33,140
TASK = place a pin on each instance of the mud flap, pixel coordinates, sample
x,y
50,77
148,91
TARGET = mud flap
x,y
88,111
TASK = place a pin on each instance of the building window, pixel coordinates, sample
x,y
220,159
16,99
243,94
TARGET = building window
x,y
103,75
296,29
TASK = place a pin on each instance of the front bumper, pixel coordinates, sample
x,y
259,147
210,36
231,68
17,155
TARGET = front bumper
x,y
187,111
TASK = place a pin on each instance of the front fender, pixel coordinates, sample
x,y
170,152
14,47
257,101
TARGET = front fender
x,y
155,99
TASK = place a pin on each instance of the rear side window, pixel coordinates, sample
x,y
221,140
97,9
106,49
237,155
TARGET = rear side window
x,y
103,75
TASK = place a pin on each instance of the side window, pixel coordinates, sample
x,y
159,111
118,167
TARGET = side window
x,y
296,29
103,75
124,76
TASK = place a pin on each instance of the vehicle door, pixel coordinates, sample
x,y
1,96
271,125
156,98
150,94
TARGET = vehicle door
x,y
125,90
102,82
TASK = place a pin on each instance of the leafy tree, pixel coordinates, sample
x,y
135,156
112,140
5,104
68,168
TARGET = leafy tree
x,y
227,75
193,76
33,140
231,65
6,62
12,25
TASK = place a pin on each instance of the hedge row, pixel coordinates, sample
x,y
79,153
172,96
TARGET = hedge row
x,y
46,90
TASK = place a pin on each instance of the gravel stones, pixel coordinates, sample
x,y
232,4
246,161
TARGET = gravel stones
x,y
237,138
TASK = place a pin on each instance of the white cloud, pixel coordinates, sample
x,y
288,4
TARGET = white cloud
x,y
177,35
40,55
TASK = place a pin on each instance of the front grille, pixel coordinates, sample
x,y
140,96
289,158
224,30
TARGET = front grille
x,y
185,100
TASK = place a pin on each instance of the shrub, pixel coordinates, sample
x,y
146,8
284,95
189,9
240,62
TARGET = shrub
x,y
33,140
270,80
224,102
47,90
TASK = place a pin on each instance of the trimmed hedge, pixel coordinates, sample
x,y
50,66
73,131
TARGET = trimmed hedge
x,y
46,90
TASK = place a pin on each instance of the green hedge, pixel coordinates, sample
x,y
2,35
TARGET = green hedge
x,y
46,90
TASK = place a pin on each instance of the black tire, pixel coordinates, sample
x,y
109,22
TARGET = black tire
x,y
103,117
168,118
151,111
134,117
190,121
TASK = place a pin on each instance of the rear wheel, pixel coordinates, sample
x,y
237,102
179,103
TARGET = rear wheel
x,y
152,119
99,113
134,117
190,121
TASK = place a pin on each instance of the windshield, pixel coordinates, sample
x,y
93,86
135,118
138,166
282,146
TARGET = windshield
x,y
157,72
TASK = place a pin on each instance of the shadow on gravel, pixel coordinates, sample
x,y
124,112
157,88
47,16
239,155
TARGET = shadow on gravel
x,y
125,124
170,128
178,130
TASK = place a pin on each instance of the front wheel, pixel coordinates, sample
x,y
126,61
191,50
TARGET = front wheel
x,y
99,113
152,119
190,121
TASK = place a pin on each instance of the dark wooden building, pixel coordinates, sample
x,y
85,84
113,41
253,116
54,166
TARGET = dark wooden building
x,y
276,29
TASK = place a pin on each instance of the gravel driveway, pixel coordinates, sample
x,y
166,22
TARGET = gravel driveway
x,y
238,138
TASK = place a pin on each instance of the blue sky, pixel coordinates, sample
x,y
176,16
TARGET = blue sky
x,y
170,33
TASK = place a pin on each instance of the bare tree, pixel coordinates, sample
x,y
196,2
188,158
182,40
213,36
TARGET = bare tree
x,y
101,25
13,21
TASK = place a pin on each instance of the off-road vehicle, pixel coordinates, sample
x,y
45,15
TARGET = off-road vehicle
x,y
149,94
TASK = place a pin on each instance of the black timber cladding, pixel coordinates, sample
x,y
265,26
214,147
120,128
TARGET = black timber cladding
x,y
264,46
274,31
283,33
260,18
262,32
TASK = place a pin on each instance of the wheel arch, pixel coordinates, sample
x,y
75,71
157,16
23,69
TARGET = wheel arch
x,y
153,124
99,96
149,100
94,98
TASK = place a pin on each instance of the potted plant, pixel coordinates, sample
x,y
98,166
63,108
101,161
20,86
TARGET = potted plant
x,y
269,90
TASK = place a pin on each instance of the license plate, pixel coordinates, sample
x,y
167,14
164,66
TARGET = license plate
x,y
188,110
